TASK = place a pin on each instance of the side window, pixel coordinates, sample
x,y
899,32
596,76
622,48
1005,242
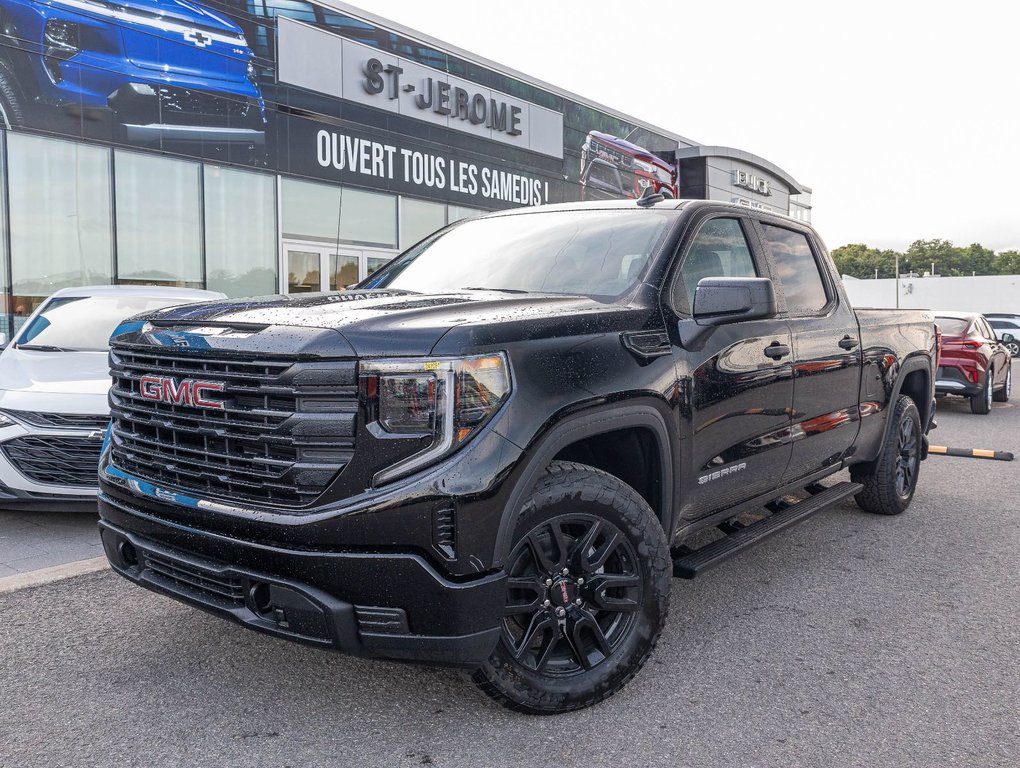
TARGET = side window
x,y
718,250
797,270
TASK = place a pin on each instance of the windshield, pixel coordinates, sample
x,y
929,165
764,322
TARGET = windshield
x,y
84,323
594,253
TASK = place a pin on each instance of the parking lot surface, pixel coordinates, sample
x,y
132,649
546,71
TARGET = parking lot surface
x,y
40,539
851,640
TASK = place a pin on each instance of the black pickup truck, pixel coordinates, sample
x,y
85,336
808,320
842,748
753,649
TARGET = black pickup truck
x,y
496,452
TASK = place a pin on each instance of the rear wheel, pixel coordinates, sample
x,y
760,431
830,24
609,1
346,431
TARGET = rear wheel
x,y
889,482
587,594
981,403
1002,395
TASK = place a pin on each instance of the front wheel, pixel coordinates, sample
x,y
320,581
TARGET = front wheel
x,y
981,403
588,582
890,481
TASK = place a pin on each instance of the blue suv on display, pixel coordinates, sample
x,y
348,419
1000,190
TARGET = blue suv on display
x,y
165,74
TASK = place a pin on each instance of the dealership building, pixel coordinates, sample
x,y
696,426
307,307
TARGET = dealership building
x,y
256,146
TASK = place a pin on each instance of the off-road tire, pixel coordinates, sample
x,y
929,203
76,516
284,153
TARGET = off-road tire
x,y
880,495
12,103
567,489
1002,395
981,403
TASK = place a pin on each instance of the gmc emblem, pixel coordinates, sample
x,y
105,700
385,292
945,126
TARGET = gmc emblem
x,y
164,389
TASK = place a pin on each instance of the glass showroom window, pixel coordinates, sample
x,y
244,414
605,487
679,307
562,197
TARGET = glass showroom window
x,y
159,221
310,213
418,219
61,218
458,212
240,231
310,210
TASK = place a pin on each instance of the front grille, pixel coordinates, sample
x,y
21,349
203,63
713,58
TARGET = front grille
x,y
62,420
55,460
285,431
199,103
186,577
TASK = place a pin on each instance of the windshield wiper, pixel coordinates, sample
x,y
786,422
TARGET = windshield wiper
x,y
44,348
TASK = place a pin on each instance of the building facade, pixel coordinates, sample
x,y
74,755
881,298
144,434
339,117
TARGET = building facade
x,y
256,146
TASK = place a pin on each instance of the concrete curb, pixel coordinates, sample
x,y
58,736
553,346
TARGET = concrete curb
x,y
54,573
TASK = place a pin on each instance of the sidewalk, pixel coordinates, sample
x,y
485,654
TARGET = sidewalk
x,y
33,540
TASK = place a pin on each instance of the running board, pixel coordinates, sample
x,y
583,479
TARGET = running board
x,y
691,564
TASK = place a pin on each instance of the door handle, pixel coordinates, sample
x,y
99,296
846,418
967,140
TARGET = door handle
x,y
848,342
775,350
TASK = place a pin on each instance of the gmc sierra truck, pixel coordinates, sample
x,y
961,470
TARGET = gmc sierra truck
x,y
496,451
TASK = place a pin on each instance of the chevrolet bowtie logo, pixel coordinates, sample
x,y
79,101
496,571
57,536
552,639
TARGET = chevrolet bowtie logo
x,y
198,38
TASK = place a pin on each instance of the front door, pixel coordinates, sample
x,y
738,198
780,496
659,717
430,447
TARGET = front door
x,y
736,379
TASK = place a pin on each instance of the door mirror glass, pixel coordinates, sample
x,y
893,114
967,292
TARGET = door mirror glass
x,y
1007,338
721,300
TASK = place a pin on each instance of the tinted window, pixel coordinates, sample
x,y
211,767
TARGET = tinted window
x,y
952,326
798,270
1007,324
718,250
570,252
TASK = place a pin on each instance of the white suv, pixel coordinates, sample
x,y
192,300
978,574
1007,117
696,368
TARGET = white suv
x,y
54,379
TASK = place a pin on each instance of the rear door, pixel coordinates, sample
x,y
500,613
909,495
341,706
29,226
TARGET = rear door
x,y
736,384
826,350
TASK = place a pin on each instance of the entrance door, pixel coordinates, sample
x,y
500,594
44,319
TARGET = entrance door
x,y
310,267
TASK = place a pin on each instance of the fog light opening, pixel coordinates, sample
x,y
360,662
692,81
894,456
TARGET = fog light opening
x,y
260,598
127,553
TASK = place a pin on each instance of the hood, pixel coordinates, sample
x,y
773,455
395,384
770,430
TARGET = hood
x,y
71,373
395,323
192,14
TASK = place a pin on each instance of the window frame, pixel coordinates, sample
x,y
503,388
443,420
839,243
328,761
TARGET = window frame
x,y
669,290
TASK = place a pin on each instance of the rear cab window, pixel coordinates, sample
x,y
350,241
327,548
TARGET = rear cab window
x,y
797,270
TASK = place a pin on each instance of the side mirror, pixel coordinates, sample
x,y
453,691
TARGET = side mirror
x,y
1007,338
721,300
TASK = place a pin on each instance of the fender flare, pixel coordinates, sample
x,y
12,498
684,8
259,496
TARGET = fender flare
x,y
576,427
916,362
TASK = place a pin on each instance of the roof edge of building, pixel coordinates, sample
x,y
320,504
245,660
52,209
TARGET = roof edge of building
x,y
442,45
739,154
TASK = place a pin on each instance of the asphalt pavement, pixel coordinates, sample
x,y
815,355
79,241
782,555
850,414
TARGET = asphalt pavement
x,y
43,538
851,640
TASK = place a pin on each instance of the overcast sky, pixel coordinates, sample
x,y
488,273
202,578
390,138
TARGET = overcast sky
x,y
903,117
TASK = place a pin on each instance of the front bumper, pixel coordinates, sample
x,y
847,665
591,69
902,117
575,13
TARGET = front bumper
x,y
368,603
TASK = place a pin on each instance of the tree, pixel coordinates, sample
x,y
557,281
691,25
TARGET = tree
x,y
860,261
1007,263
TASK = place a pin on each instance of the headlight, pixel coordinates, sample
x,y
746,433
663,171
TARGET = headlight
x,y
439,401
641,165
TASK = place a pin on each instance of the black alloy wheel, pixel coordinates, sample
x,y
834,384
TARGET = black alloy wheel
x,y
891,480
573,588
908,459
588,581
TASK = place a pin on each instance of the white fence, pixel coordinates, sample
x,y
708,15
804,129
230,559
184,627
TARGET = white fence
x,y
994,293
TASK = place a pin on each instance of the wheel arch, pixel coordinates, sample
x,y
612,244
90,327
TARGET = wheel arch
x,y
589,430
916,382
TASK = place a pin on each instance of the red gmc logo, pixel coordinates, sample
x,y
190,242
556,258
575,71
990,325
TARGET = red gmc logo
x,y
191,392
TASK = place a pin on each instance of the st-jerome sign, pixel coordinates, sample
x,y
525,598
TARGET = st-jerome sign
x,y
322,61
